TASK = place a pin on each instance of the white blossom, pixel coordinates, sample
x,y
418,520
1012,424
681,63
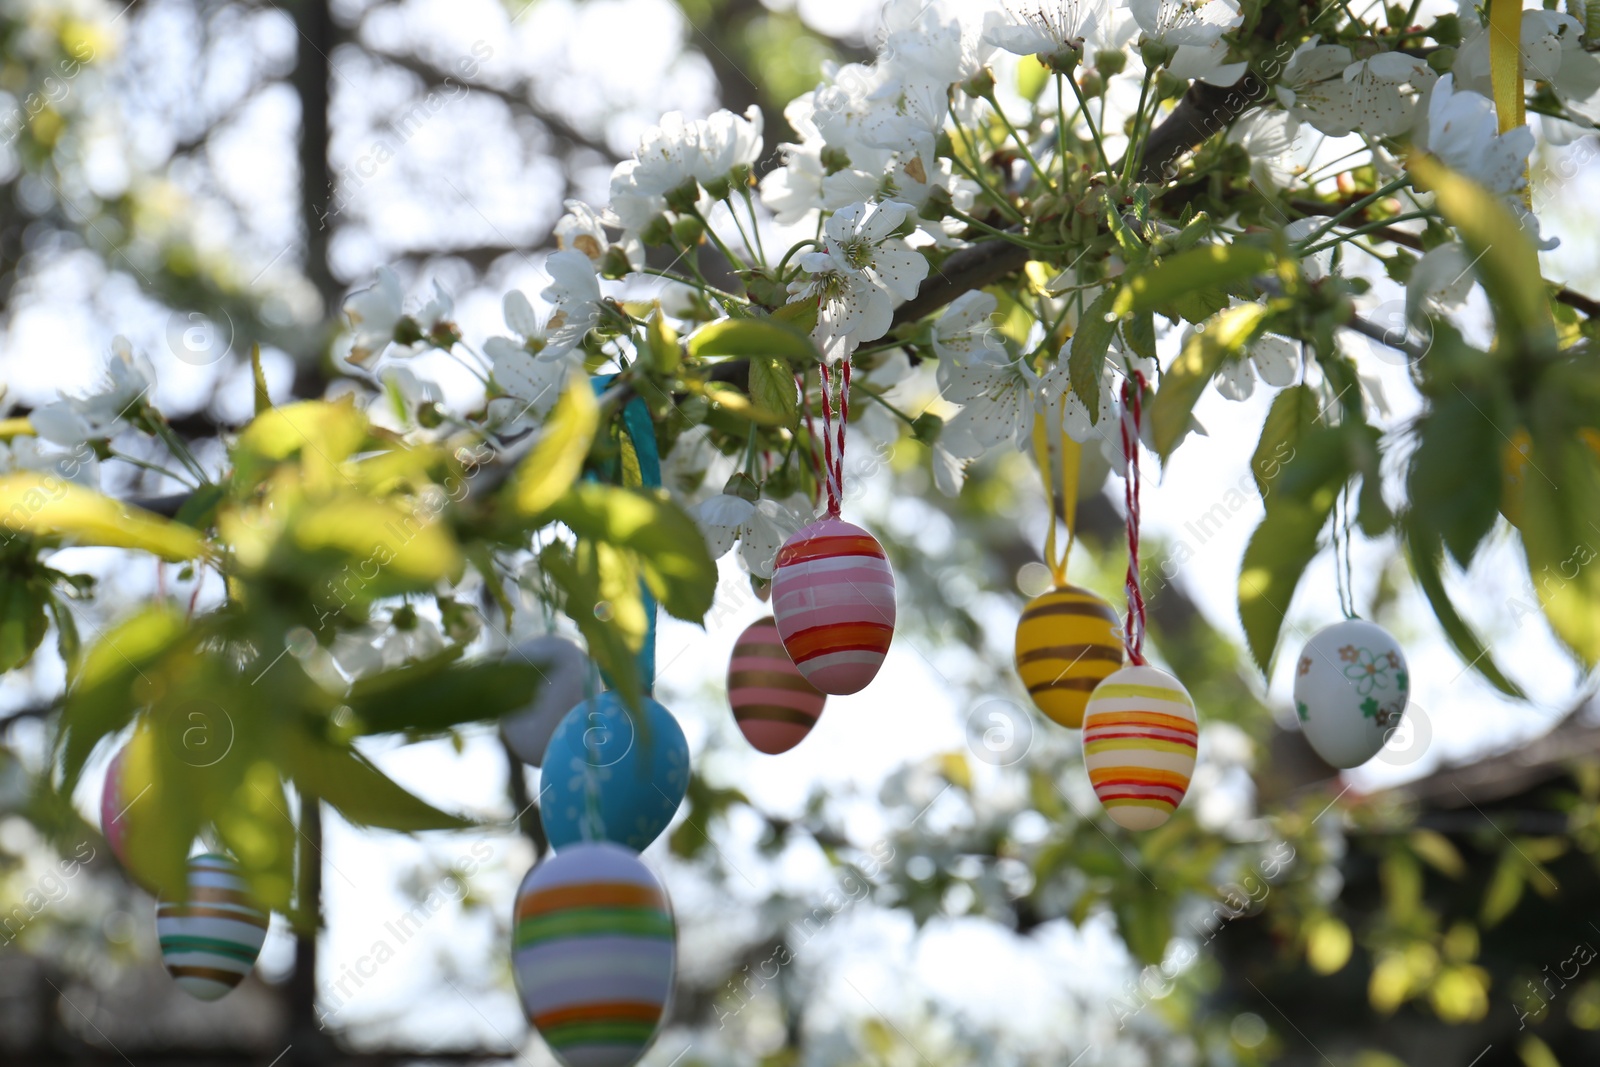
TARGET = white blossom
x,y
1275,359
761,527
996,394
531,372
574,289
1377,96
861,270
119,395
966,330
1044,27
1464,133
1440,281
1185,22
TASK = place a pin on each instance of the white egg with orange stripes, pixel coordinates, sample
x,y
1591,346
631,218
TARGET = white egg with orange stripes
x,y
833,600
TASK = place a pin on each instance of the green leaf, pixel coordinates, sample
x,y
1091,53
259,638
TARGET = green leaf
x,y
322,434
22,622
358,790
677,566
1139,333
425,699
1560,517
555,463
1145,924
200,509
105,691
254,823
1426,554
1451,497
263,398
1183,382
772,388
661,344
1089,345
1199,269
1503,257
1277,555
389,548
611,640
1292,415
768,336
1505,889
46,506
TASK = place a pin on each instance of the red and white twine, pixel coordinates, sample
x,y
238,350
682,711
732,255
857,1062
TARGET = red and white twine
x,y
1133,622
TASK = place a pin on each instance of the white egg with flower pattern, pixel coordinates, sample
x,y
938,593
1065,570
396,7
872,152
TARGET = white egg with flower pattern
x,y
1351,686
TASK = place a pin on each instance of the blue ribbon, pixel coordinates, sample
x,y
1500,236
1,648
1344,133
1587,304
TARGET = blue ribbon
x,y
642,432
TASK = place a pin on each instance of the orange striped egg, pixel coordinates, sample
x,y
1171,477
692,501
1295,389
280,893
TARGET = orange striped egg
x,y
833,600
1068,642
593,952
1139,739
772,702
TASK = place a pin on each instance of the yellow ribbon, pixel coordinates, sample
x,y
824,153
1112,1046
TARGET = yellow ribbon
x,y
1505,68
1065,507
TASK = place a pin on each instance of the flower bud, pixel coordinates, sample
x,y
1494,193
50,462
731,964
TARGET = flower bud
x,y
718,188
938,204
688,231
927,427
743,486
1091,83
429,415
1155,53
981,85
834,159
683,198
1111,62
614,264
407,331
657,232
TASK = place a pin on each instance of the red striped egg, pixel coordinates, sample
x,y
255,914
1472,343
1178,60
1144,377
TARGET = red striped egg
x,y
833,599
772,702
1140,735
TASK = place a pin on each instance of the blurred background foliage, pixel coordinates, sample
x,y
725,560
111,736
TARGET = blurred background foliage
x,y
235,168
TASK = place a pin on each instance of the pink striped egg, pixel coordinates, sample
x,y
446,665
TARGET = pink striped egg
x,y
833,600
772,702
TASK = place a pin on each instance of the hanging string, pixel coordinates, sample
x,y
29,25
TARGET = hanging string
x,y
1341,554
832,452
1134,621
592,826
1063,507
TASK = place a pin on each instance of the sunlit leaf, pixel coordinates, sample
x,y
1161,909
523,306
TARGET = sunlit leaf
x,y
1450,496
1089,346
1186,379
1503,257
46,506
1205,267
1293,413
555,463
320,434
1426,555
677,566
1560,514
767,336
772,388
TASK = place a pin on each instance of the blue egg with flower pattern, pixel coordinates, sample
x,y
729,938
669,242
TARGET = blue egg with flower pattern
x,y
635,767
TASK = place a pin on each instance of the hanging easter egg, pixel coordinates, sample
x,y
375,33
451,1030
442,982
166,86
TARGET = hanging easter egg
x,y
772,702
1350,690
593,953
833,598
210,941
609,778
1139,739
1068,642
565,670
116,801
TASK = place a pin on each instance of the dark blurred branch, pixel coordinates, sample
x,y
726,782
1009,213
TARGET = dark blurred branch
x,y
313,69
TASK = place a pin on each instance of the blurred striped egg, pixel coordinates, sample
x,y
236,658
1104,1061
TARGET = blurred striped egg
x,y
565,668
833,599
593,952
637,772
1139,739
210,941
1068,642
772,702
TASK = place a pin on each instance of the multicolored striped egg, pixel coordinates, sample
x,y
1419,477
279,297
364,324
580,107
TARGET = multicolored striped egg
x,y
833,599
1068,642
1351,687
1139,739
565,670
593,952
608,777
210,941
772,702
